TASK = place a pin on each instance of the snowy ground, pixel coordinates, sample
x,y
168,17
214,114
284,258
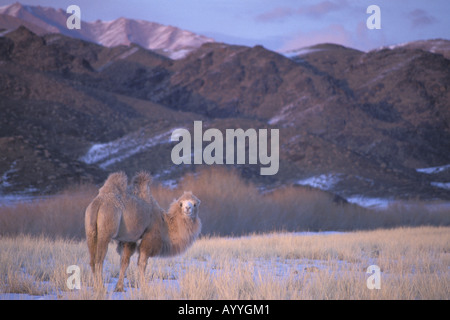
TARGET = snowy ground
x,y
371,203
413,264
323,181
175,269
328,182
278,268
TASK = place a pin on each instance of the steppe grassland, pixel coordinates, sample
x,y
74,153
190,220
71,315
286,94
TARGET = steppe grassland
x,y
414,264
39,240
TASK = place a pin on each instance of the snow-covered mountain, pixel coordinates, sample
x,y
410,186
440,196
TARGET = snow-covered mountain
x,y
167,40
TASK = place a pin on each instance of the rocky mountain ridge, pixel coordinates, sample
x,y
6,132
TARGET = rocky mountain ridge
x,y
350,122
166,40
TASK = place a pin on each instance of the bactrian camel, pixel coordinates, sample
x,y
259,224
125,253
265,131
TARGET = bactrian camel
x,y
130,214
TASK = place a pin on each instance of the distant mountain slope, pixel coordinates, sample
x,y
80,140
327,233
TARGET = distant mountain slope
x,y
440,46
50,114
167,40
401,94
350,122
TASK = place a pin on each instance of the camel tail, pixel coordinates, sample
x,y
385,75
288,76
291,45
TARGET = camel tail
x,y
90,223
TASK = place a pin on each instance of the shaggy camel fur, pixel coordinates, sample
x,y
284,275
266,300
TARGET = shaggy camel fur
x,y
128,214
176,231
169,234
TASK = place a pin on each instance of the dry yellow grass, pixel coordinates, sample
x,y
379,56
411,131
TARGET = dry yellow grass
x,y
414,264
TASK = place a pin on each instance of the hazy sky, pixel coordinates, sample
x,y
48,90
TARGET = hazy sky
x,y
280,24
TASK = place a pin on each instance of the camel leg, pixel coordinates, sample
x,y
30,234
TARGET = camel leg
x,y
108,221
127,252
92,246
142,263
102,249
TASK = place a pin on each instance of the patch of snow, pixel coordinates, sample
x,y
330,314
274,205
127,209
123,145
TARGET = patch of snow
x,y
24,296
3,33
285,112
323,181
299,52
167,183
394,46
106,154
4,180
434,45
53,39
373,203
443,185
277,118
171,184
384,203
179,54
433,170
128,53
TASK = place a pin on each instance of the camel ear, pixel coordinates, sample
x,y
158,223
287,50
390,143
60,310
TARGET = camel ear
x,y
198,202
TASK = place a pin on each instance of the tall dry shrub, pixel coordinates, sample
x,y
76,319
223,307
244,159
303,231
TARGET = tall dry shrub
x,y
230,206
61,215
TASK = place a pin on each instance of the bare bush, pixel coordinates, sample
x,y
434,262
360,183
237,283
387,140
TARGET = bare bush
x,y
230,206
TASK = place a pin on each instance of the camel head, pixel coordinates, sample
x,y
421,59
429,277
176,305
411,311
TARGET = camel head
x,y
188,204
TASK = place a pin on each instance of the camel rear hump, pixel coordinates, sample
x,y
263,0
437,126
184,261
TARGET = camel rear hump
x,y
141,178
116,183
